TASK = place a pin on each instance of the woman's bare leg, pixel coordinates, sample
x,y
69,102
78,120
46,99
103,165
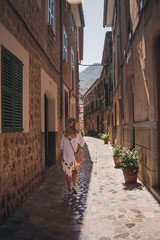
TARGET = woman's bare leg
x,y
75,176
69,182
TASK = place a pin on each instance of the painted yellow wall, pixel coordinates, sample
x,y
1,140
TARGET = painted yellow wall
x,y
49,87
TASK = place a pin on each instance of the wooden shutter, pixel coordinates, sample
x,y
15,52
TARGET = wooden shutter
x,y
11,92
18,94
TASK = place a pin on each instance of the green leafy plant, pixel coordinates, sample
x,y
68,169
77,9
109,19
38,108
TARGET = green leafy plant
x,y
99,134
104,136
82,132
117,150
129,160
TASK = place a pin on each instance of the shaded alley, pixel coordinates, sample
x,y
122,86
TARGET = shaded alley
x,y
104,208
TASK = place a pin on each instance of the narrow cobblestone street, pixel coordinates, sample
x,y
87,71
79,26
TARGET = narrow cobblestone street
x,y
103,209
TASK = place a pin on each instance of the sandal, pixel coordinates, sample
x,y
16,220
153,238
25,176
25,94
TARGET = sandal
x,y
74,190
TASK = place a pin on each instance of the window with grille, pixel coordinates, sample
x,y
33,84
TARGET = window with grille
x,y
65,45
12,79
51,13
72,67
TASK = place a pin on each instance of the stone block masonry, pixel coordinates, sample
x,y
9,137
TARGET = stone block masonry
x,y
21,153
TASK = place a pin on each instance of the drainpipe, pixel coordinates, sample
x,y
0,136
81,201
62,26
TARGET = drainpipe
x,y
121,65
61,61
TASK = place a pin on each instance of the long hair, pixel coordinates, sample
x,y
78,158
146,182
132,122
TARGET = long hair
x,y
71,127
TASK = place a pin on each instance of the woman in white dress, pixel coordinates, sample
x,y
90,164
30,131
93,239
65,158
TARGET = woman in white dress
x,y
70,137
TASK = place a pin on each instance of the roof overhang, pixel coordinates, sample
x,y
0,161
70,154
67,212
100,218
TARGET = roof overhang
x,y
108,13
77,12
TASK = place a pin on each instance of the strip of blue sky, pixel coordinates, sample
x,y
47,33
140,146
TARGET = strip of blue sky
x,y
94,33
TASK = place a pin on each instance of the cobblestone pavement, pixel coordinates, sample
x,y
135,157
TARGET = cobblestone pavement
x,y
103,209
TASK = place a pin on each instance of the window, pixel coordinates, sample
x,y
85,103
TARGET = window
x,y
96,103
106,95
110,89
12,78
97,123
72,67
51,13
72,22
141,5
110,48
65,45
92,105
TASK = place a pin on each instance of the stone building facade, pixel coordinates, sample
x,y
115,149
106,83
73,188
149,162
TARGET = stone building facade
x,y
135,33
33,74
107,80
81,114
93,107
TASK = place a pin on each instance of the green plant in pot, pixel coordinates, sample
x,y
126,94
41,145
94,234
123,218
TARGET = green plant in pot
x,y
117,150
105,137
129,163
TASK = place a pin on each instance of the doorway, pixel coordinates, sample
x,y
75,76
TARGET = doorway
x,y
66,109
50,134
46,128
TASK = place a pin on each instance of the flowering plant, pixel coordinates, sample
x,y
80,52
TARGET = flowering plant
x,y
129,160
117,150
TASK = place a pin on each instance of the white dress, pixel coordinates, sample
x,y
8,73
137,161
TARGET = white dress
x,y
68,159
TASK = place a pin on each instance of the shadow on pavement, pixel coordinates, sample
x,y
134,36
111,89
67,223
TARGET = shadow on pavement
x,y
130,187
51,213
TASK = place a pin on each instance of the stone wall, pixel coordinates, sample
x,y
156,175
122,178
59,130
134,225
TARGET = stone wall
x,y
21,153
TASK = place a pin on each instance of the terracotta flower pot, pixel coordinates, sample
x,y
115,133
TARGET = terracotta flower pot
x,y
129,176
105,141
116,161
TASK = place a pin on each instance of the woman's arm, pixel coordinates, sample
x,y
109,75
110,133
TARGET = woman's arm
x,y
62,145
81,139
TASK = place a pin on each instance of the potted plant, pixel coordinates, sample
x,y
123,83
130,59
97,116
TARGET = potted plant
x,y
116,155
99,134
105,137
129,164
